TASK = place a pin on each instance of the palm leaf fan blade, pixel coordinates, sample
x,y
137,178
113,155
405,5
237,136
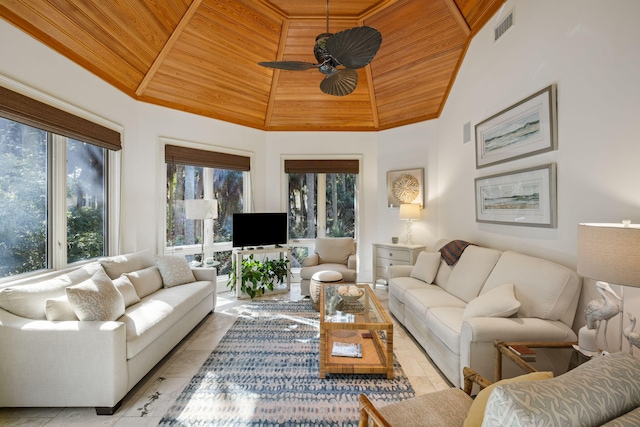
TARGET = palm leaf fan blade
x,y
289,65
355,47
340,83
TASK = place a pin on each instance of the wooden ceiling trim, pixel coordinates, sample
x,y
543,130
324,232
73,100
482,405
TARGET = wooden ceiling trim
x,y
275,78
168,46
455,12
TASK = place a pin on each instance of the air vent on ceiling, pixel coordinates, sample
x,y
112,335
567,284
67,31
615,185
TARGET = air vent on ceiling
x,y
503,26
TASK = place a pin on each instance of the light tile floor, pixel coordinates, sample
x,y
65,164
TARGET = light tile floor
x,y
151,398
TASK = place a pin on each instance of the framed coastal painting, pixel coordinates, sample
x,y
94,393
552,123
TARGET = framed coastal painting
x,y
405,186
524,197
524,129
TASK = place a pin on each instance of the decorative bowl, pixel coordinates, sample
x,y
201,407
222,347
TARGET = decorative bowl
x,y
351,298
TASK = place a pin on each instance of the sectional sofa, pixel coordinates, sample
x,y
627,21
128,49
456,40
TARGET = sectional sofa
x,y
88,336
456,311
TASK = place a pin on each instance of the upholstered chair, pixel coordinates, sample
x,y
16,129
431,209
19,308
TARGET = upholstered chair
x,y
331,253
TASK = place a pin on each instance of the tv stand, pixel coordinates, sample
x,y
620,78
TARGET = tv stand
x,y
239,254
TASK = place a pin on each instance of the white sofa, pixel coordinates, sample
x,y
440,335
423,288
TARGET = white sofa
x,y
457,311
48,363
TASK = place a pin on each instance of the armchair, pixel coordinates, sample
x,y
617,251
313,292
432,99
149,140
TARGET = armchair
x,y
331,253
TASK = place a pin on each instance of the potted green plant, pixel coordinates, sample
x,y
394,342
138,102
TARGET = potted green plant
x,y
259,276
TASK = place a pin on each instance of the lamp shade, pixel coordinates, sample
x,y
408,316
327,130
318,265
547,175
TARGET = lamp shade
x,y
201,209
610,252
409,211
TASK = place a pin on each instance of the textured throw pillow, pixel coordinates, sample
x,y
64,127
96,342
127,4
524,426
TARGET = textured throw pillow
x,y
476,412
58,309
146,281
96,299
498,302
174,270
125,287
426,266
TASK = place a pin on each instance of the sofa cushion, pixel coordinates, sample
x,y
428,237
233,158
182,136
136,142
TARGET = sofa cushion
x,y
589,395
630,419
497,302
30,300
154,315
476,411
146,281
398,286
426,266
445,323
334,250
348,276
96,299
545,290
420,300
115,266
125,287
59,309
471,271
174,270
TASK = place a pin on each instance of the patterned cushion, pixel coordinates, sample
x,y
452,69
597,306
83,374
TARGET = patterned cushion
x,y
96,299
174,270
590,395
440,409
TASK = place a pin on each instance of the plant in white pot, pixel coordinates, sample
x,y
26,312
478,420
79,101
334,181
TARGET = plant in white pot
x,y
256,277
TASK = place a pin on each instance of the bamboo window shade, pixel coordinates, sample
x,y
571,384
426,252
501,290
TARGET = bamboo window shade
x,y
28,111
207,159
321,166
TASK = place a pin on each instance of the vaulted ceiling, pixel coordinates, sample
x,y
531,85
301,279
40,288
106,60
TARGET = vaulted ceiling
x,y
202,56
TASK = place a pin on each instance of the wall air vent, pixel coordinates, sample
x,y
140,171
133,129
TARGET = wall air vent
x,y
503,26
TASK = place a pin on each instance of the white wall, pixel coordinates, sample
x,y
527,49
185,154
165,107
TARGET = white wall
x,y
589,49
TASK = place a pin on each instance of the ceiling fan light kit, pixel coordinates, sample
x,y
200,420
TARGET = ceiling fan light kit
x,y
339,56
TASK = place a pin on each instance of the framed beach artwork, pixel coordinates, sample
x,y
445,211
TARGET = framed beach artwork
x,y
523,197
524,129
405,186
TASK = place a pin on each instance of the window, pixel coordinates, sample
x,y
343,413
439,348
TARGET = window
x,y
197,174
53,186
322,202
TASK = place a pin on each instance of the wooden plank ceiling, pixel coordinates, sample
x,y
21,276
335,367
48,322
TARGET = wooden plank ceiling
x,y
202,56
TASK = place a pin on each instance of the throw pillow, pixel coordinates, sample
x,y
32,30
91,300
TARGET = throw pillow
x,y
59,309
476,412
146,281
426,266
174,270
96,299
498,302
125,287
115,266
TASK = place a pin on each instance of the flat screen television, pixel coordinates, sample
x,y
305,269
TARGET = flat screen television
x,y
259,229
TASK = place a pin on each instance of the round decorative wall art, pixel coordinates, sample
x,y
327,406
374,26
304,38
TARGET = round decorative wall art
x,y
405,186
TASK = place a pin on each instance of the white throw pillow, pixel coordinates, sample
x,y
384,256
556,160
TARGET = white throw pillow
x,y
146,281
174,270
426,266
115,266
498,302
57,309
96,299
125,287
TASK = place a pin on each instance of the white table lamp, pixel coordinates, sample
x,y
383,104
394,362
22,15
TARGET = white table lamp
x,y
409,212
610,253
201,209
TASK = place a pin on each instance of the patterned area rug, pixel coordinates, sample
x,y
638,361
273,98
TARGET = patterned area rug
x,y
265,370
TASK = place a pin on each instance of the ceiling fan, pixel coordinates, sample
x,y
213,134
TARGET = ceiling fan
x,y
339,56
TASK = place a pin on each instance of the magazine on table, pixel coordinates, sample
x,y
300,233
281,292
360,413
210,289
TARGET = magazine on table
x,y
346,349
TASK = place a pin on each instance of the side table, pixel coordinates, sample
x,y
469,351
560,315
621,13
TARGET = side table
x,y
502,349
388,254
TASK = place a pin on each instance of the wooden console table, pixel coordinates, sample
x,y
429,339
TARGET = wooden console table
x,y
502,349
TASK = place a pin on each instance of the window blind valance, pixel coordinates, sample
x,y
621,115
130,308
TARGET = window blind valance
x,y
207,159
28,111
321,166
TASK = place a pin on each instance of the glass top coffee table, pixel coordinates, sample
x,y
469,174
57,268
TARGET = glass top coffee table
x,y
356,337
